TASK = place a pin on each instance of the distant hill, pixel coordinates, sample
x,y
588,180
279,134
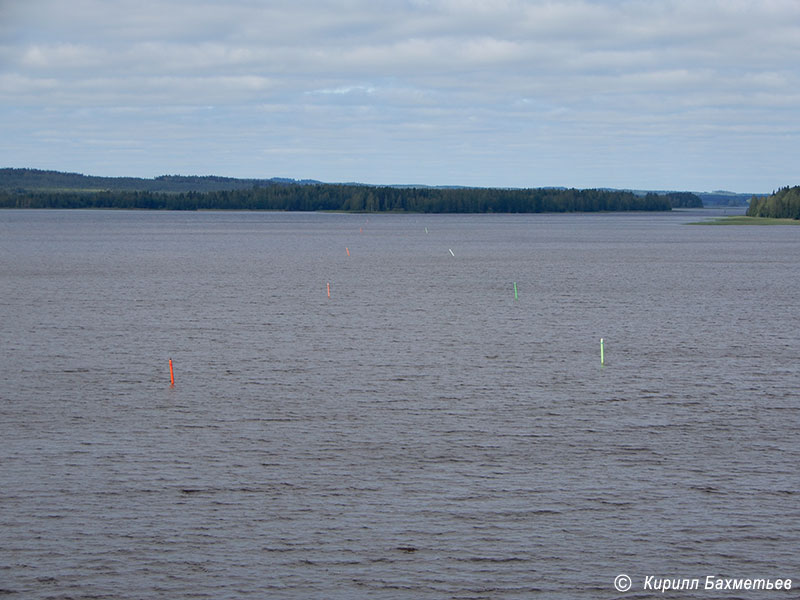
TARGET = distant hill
x,y
27,188
684,200
14,183
34,180
722,198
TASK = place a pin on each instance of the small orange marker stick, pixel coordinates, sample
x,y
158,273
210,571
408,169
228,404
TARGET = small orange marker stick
x,y
171,375
348,251
329,290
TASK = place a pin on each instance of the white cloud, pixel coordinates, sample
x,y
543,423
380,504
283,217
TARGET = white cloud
x,y
346,90
61,57
470,79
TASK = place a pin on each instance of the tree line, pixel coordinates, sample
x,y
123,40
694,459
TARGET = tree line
x,y
338,197
783,204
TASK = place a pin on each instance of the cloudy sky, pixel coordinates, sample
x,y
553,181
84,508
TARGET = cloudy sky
x,y
649,94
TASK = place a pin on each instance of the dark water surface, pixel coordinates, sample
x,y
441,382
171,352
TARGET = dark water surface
x,y
420,433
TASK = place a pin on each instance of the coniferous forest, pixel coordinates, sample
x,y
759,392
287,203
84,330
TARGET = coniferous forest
x,y
28,188
783,204
329,197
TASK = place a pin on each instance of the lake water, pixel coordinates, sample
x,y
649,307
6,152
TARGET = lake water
x,y
420,433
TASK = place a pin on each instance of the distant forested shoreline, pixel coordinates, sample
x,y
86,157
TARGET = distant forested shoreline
x,y
30,188
783,204
330,197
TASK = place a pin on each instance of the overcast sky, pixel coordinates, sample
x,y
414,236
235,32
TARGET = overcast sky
x,y
648,94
